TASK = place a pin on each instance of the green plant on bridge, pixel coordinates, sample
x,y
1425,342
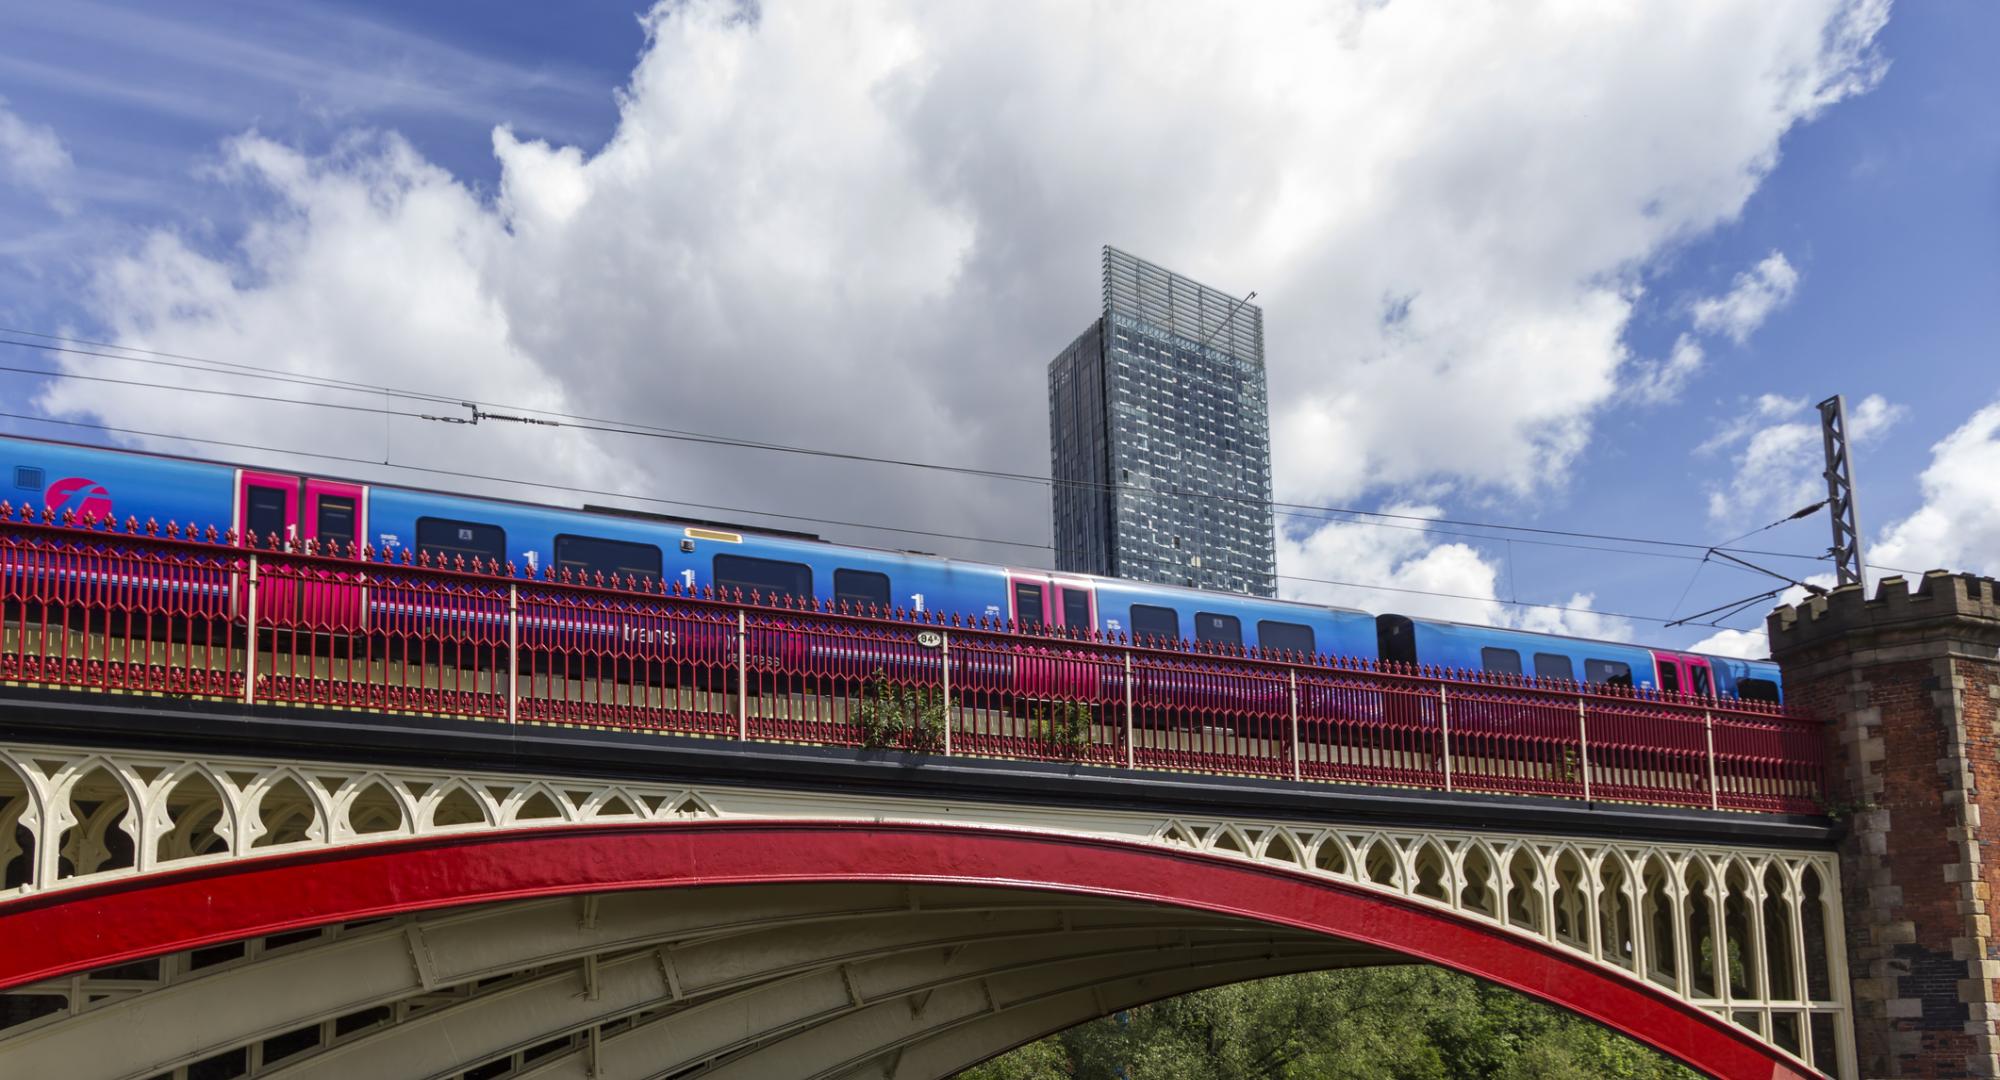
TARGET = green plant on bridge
x,y
888,712
1063,726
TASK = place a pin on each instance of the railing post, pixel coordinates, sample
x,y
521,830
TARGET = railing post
x,y
1298,772
1131,756
1583,744
1444,728
513,652
1714,788
944,654
742,677
250,643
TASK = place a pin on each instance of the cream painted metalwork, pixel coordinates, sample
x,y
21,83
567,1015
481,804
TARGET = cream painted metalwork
x,y
1746,933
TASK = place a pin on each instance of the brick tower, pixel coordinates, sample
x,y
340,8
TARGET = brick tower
x,y
1909,684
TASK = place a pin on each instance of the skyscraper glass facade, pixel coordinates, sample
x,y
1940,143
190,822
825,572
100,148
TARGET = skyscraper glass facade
x,y
1160,436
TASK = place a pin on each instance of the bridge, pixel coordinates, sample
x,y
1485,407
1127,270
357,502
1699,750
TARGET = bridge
x,y
268,811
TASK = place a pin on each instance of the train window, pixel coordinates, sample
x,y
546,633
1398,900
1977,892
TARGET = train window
x,y
264,511
1550,665
1220,629
1027,604
1149,621
1670,677
769,577
1608,672
472,539
589,555
1700,678
1396,639
1757,690
1505,661
1076,609
333,519
862,587
1288,636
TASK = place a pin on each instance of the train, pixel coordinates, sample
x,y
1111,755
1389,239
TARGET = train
x,y
106,482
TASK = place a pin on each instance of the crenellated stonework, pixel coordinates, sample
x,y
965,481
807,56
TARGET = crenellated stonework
x,y
1909,684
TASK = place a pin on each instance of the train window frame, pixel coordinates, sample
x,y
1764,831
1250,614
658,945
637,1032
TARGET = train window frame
x,y
764,588
843,579
1264,635
1488,653
496,553
1669,675
1704,683
1607,672
1141,630
1555,661
1025,617
1233,625
571,540
1074,616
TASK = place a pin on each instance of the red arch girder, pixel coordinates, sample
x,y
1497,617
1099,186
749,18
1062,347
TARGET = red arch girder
x,y
79,929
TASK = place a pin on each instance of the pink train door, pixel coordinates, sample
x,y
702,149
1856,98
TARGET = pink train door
x,y
1683,674
1028,601
267,507
334,518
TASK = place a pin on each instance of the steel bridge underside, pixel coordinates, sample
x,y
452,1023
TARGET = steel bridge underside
x,y
881,919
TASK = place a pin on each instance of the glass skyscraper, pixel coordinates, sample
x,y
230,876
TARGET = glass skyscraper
x,y
1160,435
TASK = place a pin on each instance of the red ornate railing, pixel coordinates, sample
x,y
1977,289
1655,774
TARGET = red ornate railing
x,y
120,607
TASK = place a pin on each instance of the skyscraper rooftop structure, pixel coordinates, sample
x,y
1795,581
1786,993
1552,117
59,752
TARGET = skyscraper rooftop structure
x,y
1160,436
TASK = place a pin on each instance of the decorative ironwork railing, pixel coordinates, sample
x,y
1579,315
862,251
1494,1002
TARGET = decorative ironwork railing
x,y
124,607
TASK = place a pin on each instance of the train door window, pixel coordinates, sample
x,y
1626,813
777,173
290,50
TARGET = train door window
x,y
1149,621
1076,609
472,539
1285,636
861,587
1698,675
769,577
1219,629
590,555
1027,603
1757,690
1670,677
334,518
265,511
1550,665
1504,661
1608,672
1396,639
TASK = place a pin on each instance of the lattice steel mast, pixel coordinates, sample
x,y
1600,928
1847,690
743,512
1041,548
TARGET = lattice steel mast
x,y
1848,562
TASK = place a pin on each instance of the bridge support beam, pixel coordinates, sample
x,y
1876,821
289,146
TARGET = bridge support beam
x,y
1909,684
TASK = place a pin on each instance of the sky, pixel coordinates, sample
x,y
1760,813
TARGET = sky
x,y
1564,266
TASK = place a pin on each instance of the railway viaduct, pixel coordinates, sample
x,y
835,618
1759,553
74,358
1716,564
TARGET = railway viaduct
x,y
291,813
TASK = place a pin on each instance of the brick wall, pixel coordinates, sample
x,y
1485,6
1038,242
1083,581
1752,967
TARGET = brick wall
x,y
1908,684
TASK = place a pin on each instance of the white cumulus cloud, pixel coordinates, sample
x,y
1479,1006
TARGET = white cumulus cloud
x,y
1335,563
868,227
1958,526
1779,457
1752,297
33,158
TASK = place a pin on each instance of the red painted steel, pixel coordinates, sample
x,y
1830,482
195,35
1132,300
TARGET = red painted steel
x,y
112,605
78,930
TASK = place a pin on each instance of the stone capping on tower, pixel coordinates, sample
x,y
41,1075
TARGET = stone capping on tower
x,y
1939,595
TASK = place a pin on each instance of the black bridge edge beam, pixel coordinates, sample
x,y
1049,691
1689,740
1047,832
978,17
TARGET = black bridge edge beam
x,y
146,722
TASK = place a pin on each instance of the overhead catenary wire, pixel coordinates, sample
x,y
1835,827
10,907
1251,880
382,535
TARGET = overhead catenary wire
x,y
595,425
574,489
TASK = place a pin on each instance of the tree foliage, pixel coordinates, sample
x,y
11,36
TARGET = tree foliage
x,y
1398,1023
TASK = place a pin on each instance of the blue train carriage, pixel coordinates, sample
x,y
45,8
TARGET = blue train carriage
x,y
1517,652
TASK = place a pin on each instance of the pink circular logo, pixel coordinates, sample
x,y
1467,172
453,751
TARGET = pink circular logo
x,y
79,493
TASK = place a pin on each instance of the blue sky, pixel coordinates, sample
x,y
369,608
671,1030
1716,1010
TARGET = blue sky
x,y
870,227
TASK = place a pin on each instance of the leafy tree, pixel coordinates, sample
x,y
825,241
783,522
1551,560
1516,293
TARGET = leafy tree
x,y
1398,1023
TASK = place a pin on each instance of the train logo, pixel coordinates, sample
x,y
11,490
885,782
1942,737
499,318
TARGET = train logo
x,y
85,496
